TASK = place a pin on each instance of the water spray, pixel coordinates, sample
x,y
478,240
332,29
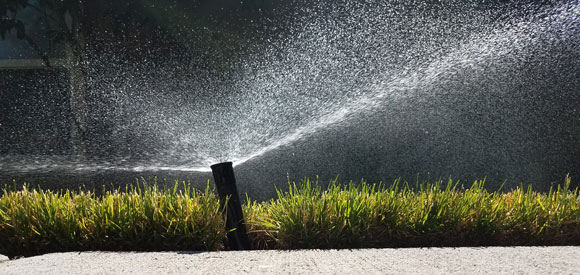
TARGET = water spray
x,y
225,182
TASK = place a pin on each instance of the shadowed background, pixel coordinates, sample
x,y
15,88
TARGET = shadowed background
x,y
371,90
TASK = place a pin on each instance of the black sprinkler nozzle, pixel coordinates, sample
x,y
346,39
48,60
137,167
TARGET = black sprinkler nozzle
x,y
223,174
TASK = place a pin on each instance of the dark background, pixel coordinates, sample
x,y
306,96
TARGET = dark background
x,y
203,39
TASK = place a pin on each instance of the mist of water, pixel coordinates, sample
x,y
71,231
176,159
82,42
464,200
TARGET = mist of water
x,y
332,69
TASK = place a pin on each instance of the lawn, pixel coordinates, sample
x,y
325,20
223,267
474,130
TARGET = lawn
x,y
149,218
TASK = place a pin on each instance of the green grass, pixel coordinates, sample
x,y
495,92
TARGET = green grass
x,y
307,216
438,214
137,218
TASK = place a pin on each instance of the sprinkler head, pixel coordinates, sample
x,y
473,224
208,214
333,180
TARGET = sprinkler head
x,y
225,181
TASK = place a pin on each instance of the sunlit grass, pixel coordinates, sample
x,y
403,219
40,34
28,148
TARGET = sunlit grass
x,y
306,216
431,214
136,218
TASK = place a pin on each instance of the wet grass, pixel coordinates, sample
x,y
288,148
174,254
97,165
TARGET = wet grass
x,y
138,218
306,216
431,214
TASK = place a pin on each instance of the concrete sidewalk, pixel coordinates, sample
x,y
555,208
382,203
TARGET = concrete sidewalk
x,y
492,260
